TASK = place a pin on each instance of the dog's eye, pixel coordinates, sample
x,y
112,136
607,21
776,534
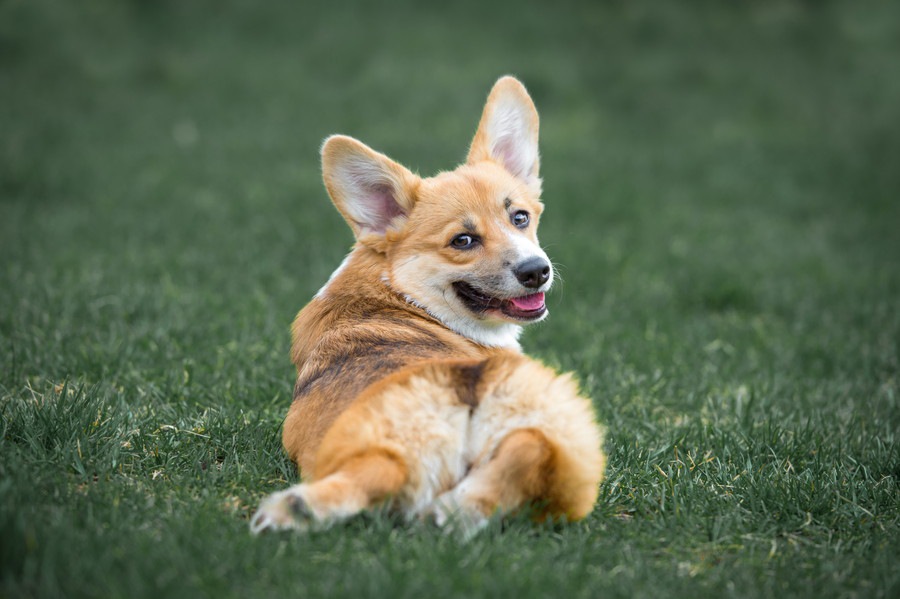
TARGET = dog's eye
x,y
463,241
520,219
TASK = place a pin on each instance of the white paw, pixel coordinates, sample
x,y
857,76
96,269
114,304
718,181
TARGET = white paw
x,y
455,517
284,510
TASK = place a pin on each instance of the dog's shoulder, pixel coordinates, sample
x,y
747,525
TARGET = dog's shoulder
x,y
358,331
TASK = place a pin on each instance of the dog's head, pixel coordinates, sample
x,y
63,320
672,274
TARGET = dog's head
x,y
463,244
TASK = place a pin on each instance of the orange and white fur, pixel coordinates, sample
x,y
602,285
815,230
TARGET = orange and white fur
x,y
412,390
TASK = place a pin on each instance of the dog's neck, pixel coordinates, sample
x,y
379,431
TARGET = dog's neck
x,y
501,335
488,334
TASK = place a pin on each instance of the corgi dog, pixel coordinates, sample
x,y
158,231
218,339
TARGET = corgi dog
x,y
412,390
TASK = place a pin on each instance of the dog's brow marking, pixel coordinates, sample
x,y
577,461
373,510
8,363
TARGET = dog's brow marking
x,y
468,225
507,203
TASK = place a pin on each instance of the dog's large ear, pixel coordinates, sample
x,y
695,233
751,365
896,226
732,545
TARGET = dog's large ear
x,y
508,132
372,192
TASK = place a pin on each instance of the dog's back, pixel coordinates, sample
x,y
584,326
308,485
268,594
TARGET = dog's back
x,y
355,332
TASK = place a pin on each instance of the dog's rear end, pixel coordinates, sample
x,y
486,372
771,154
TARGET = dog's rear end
x,y
411,387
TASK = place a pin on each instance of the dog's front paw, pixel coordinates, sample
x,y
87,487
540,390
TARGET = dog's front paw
x,y
284,510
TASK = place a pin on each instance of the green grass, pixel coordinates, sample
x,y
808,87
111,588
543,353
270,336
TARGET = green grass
x,y
722,190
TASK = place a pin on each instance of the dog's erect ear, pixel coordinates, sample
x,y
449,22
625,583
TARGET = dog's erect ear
x,y
508,132
371,191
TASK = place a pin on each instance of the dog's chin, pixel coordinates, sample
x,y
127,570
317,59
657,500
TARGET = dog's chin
x,y
524,308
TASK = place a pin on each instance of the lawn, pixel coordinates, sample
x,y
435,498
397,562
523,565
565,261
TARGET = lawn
x,y
721,187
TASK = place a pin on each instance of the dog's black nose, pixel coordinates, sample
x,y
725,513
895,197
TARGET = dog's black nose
x,y
532,273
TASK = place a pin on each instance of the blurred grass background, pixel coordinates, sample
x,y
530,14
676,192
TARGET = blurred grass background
x,y
721,183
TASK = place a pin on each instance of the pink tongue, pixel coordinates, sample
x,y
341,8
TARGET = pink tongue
x,y
534,301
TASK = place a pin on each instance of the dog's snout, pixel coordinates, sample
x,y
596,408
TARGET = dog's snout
x,y
532,273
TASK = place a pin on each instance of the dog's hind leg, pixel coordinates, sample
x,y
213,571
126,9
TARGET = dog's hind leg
x,y
532,441
360,482
518,473
402,441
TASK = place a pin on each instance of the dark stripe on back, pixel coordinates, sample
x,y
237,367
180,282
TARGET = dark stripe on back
x,y
467,378
370,359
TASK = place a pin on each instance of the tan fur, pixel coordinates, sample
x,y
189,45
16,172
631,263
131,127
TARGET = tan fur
x,y
404,396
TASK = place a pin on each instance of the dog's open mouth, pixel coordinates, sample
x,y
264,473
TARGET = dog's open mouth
x,y
526,307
